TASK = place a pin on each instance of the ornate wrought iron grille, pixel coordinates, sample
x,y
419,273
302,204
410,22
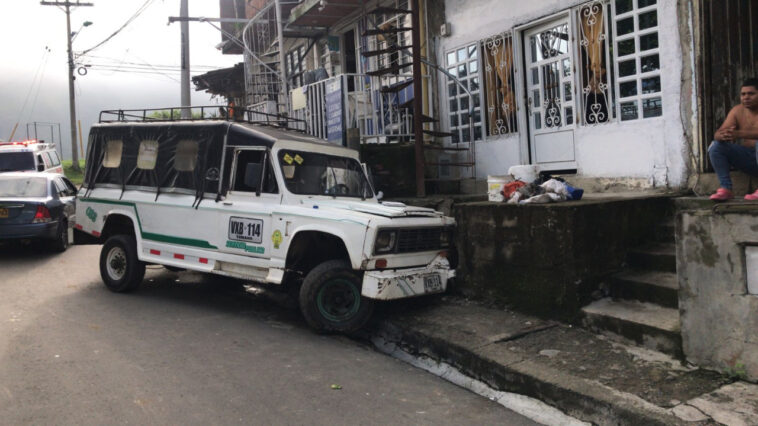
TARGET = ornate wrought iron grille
x,y
499,84
593,63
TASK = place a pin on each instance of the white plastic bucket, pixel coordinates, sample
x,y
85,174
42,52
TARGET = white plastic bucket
x,y
526,173
495,187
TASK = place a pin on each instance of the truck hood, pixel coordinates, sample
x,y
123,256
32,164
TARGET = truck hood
x,y
386,209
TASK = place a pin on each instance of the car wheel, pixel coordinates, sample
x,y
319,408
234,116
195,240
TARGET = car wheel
x,y
60,243
331,301
120,268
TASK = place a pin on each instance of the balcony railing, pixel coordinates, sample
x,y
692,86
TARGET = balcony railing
x,y
378,109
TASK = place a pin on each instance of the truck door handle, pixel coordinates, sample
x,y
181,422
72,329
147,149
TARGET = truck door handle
x,y
228,203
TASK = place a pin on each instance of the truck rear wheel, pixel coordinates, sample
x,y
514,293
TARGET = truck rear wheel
x,y
120,268
331,301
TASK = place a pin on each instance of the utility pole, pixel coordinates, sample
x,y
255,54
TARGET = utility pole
x,y
185,75
71,97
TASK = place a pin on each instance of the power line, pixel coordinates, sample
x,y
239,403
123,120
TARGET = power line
x,y
136,67
128,21
165,66
39,86
37,76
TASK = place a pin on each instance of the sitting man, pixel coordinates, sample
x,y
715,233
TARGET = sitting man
x,y
734,143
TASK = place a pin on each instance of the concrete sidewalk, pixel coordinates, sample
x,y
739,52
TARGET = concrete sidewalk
x,y
585,375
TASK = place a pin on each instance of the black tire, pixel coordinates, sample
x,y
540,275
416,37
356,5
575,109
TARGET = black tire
x,y
60,243
120,268
331,301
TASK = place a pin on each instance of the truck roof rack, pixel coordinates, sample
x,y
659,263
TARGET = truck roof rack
x,y
200,113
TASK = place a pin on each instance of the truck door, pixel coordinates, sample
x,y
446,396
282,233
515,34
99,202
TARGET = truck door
x,y
246,212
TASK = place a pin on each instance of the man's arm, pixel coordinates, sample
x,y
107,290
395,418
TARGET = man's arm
x,y
745,134
728,127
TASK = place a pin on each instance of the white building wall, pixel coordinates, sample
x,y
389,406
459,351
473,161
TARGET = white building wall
x,y
654,149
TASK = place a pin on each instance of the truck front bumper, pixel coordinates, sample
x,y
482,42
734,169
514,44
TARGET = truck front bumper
x,y
403,283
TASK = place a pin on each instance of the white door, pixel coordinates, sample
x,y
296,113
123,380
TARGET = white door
x,y
550,82
246,212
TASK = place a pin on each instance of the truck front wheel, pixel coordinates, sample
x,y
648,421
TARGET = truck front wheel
x,y
120,268
331,301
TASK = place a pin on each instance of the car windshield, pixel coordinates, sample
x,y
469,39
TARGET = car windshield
x,y
309,173
16,161
21,186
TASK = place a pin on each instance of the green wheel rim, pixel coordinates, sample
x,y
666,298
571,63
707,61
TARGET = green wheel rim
x,y
338,300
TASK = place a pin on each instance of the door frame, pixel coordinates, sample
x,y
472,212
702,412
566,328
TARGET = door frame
x,y
520,58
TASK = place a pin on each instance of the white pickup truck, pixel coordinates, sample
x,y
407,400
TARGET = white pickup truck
x,y
251,202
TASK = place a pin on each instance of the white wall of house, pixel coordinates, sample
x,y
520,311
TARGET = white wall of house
x,y
652,150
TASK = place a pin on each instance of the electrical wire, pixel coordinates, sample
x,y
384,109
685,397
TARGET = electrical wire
x,y
39,86
114,69
128,21
137,68
210,67
36,80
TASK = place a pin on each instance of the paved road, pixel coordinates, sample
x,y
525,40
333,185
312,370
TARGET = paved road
x,y
192,349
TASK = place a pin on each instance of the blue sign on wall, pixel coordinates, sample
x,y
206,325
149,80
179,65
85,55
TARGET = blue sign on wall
x,y
335,112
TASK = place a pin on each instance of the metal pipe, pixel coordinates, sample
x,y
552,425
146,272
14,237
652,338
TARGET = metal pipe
x,y
282,69
184,82
418,129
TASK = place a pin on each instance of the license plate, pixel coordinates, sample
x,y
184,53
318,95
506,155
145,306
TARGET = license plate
x,y
432,283
3,212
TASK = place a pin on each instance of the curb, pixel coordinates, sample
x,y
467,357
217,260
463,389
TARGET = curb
x,y
584,399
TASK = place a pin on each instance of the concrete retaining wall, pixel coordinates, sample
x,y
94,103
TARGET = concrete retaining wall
x,y
719,317
548,259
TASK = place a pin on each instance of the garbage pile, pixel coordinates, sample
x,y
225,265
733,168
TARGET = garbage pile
x,y
525,185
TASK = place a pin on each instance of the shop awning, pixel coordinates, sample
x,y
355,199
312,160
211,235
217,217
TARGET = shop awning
x,y
229,82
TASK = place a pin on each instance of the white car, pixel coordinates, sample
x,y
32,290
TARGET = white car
x,y
29,156
259,204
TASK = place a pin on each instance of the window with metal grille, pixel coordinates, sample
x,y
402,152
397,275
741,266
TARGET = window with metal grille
x,y
463,63
499,84
294,63
638,64
596,96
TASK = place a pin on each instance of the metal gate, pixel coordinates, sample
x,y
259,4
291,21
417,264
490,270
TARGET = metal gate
x,y
729,55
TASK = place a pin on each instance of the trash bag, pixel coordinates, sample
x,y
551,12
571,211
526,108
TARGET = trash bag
x,y
574,193
511,187
556,187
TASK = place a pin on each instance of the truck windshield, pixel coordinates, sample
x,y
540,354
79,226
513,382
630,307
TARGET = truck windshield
x,y
23,186
310,173
16,161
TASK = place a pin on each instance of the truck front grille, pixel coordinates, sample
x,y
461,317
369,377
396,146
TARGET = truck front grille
x,y
420,239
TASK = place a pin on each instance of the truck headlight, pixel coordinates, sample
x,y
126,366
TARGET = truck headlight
x,y
446,236
385,241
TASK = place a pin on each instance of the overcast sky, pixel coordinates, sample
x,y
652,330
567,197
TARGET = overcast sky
x,y
137,68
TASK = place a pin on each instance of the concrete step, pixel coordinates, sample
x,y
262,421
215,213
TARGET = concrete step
x,y
656,257
693,203
644,324
664,232
657,287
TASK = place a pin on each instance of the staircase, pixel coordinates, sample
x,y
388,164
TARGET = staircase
x,y
390,59
643,306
